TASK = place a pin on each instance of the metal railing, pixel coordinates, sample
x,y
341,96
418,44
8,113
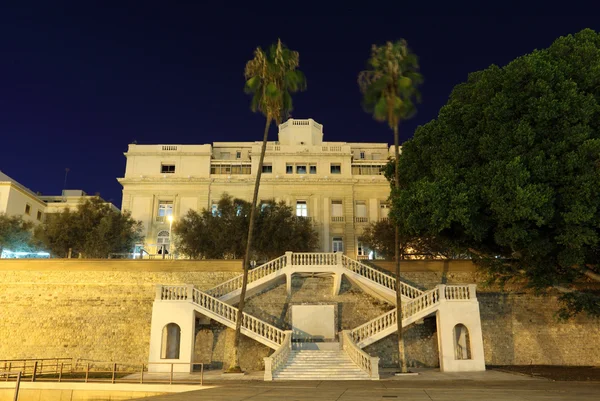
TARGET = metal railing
x,y
95,372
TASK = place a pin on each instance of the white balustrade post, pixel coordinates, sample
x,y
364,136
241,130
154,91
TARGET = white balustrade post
x,y
375,368
442,292
158,294
190,291
473,292
338,258
288,258
268,366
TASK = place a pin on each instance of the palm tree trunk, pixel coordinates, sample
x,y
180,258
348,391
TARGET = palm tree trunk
x,y
238,325
401,350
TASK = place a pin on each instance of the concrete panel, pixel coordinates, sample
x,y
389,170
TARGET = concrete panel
x,y
313,322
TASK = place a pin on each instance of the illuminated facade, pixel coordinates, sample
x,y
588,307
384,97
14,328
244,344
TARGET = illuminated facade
x,y
337,185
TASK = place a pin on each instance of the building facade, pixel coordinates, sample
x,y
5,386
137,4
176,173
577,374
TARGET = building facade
x,y
18,200
339,186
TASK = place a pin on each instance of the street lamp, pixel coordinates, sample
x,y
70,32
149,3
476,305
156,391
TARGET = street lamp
x,y
170,218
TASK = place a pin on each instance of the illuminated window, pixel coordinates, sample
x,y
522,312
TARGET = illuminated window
x,y
301,209
337,244
165,208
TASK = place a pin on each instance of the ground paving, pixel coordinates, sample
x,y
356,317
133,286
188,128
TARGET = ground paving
x,y
429,385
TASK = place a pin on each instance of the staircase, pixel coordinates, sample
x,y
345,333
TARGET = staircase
x,y
349,362
223,313
320,365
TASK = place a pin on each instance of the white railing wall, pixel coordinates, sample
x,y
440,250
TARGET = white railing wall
x,y
372,327
253,275
314,259
367,363
379,277
279,358
221,309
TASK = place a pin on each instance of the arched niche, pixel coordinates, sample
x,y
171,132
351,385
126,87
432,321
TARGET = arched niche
x,y
171,336
462,342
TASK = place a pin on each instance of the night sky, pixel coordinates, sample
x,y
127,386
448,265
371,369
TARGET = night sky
x,y
79,81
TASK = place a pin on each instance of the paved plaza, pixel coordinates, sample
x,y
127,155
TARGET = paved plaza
x,y
428,386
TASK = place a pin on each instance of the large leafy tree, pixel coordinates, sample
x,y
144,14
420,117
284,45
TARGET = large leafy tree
x,y
511,171
222,234
15,233
271,78
380,237
93,230
390,89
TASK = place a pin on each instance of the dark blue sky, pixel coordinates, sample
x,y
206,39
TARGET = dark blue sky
x,y
81,80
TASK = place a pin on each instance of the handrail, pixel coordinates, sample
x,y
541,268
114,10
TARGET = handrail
x,y
314,259
227,312
115,375
255,274
279,357
369,364
379,277
374,326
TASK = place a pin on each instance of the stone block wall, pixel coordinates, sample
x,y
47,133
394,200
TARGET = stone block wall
x,y
101,311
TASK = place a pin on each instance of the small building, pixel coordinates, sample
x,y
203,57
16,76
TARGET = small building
x,y
70,199
18,200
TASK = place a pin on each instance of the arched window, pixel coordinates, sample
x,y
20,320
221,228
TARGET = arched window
x,y
162,239
170,341
462,342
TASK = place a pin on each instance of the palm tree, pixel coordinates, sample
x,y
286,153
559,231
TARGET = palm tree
x,y
390,90
271,78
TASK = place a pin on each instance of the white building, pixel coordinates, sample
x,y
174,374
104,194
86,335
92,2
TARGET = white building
x,y
70,199
18,200
338,185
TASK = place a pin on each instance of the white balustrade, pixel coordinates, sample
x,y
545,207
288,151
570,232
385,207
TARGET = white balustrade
x,y
379,277
314,259
421,303
219,308
458,292
279,357
374,326
253,275
367,363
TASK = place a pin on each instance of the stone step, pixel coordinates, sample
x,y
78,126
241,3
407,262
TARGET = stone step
x,y
320,369
295,377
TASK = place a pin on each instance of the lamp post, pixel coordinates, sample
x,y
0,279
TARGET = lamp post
x,y
170,218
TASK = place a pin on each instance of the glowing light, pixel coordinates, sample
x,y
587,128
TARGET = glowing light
x,y
170,218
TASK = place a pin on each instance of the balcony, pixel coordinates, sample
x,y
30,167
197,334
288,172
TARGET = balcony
x,y
337,219
161,219
361,219
384,219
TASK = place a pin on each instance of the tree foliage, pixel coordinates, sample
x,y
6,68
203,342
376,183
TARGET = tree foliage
x,y
93,230
511,171
15,233
222,235
380,237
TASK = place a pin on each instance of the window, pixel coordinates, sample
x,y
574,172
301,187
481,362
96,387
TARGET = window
x,y
337,244
366,169
167,168
264,205
39,215
336,208
227,169
238,210
162,242
362,154
361,209
313,169
267,168
336,168
171,336
301,209
289,168
384,210
28,209
214,209
165,208
301,169
238,155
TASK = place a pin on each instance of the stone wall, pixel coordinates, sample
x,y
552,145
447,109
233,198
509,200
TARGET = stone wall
x,y
101,310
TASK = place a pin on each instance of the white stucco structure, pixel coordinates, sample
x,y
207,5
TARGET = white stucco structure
x,y
338,185
18,200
